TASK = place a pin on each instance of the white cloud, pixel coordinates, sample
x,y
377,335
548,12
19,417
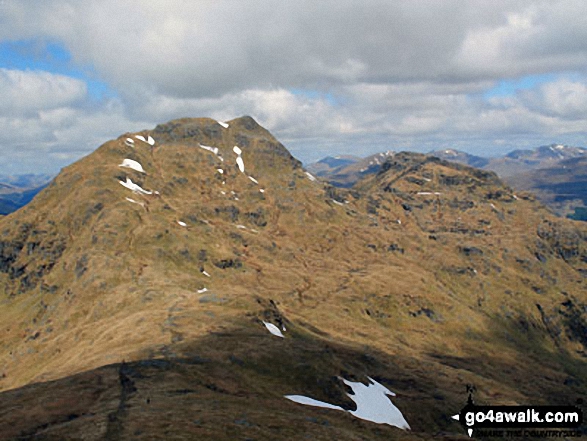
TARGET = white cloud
x,y
26,91
565,99
38,145
209,48
353,77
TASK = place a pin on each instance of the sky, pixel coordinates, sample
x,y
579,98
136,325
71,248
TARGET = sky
x,y
325,77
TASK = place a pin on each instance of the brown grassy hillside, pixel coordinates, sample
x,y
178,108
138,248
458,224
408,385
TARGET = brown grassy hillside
x,y
426,276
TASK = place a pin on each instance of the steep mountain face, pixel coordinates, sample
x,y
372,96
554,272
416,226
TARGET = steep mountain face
x,y
145,293
89,254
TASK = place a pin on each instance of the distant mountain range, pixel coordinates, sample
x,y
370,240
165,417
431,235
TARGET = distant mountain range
x,y
18,190
28,180
461,157
326,166
554,173
344,171
562,186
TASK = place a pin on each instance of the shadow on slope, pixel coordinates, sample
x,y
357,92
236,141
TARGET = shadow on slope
x,y
230,385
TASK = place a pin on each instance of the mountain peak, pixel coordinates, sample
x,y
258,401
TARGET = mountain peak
x,y
186,128
434,169
255,142
247,122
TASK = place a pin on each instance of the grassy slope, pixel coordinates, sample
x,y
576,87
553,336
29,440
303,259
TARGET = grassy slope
x,y
469,287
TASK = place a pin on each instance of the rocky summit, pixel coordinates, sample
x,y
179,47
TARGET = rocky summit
x,y
180,282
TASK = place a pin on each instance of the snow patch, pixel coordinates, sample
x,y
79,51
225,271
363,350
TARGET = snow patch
x,y
220,171
239,159
254,180
203,290
183,224
241,164
311,177
210,149
205,273
129,163
223,124
129,142
134,187
273,329
135,202
150,140
142,138
372,402
312,402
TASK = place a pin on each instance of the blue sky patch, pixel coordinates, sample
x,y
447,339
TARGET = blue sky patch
x,y
315,94
53,57
505,88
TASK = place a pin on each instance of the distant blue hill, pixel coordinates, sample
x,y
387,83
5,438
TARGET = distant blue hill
x,y
17,191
